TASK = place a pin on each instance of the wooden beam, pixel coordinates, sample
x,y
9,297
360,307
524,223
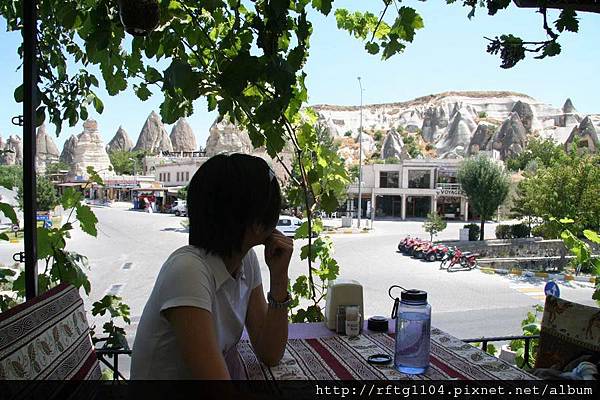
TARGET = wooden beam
x,y
577,5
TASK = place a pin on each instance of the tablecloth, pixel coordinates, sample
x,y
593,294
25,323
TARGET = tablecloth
x,y
340,357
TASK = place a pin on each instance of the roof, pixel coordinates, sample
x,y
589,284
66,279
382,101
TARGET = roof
x,y
578,5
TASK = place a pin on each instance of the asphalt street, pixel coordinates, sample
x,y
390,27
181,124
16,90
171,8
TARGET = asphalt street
x,y
131,246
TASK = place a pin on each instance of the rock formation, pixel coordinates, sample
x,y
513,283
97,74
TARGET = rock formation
x,y
434,123
89,150
46,151
459,133
525,114
569,116
225,137
586,135
481,139
14,154
182,137
67,155
393,146
120,142
153,136
511,137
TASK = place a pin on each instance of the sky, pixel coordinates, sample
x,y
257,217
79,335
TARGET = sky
x,y
447,55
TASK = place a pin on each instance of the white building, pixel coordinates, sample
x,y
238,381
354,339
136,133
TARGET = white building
x,y
174,170
410,189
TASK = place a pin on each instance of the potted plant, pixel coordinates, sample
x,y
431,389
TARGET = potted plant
x,y
139,17
514,352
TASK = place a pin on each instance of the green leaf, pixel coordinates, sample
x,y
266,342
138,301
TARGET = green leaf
x,y
18,94
302,231
592,236
4,236
9,212
566,221
142,91
324,6
372,48
5,272
567,21
44,243
87,219
98,105
40,115
70,198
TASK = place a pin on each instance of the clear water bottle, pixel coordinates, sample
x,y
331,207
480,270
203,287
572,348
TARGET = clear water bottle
x,y
413,332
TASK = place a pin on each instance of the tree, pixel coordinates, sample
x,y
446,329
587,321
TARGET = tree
x,y
542,152
56,167
566,189
434,224
127,162
182,193
47,198
486,186
11,176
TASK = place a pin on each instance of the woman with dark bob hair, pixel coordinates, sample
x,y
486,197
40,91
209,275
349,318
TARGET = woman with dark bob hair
x,y
207,291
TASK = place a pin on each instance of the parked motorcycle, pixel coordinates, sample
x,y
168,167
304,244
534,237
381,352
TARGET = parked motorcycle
x,y
448,257
463,261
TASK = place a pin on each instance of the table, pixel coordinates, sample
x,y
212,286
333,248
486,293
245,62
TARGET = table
x,y
315,352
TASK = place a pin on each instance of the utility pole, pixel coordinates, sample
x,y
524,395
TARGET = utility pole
x,y
360,155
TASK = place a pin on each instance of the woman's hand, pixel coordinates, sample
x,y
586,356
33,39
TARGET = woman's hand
x,y
278,252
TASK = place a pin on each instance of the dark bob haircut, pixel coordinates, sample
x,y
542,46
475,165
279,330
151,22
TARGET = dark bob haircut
x,y
226,196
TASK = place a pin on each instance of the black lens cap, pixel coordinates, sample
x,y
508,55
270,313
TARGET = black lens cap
x,y
379,359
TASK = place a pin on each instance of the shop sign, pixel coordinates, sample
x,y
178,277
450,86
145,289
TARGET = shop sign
x,y
451,191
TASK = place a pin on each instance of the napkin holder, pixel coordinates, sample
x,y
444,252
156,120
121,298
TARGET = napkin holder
x,y
342,292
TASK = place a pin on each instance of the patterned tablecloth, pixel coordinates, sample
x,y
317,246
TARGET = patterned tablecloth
x,y
339,357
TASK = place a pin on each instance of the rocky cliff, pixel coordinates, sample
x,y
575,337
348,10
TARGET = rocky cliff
x,y
89,151
182,137
153,136
46,151
120,142
14,151
456,124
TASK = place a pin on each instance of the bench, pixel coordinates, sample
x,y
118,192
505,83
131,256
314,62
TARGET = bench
x,y
48,337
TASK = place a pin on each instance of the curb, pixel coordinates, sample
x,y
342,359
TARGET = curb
x,y
345,231
558,277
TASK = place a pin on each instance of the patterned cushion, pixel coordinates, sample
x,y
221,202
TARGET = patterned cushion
x,y
569,331
47,338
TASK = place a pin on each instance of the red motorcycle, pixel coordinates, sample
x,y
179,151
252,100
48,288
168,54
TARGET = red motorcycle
x,y
462,261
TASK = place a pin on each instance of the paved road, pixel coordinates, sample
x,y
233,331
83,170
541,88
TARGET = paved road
x,y
465,304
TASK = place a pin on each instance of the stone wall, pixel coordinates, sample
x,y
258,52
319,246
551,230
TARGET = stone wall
x,y
513,248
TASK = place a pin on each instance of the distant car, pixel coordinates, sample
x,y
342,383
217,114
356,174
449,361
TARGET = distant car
x,y
288,225
179,208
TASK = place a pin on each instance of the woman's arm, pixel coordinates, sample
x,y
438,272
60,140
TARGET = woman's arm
x,y
197,342
267,327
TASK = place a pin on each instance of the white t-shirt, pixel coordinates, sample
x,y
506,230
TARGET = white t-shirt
x,y
191,277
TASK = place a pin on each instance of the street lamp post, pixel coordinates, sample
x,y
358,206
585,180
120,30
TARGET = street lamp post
x,y
360,156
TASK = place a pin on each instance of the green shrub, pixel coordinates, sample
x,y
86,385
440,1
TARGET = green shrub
x,y
504,232
482,114
547,230
519,231
473,231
